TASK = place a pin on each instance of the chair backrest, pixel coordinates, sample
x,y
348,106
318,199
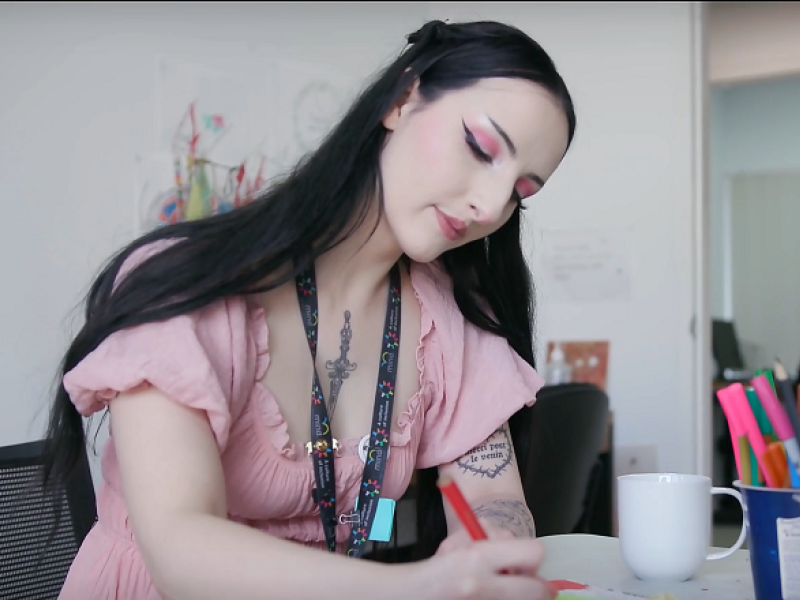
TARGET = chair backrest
x,y
35,556
725,346
569,429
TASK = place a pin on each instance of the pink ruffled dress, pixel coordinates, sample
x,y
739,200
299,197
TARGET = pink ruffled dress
x,y
470,383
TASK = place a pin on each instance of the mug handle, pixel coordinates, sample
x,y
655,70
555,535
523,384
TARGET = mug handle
x,y
742,535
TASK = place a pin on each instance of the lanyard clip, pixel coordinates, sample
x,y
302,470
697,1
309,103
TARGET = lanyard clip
x,y
322,446
349,519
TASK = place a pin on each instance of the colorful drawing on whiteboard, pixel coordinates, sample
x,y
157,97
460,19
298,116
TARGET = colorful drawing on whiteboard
x,y
315,108
310,100
224,131
199,186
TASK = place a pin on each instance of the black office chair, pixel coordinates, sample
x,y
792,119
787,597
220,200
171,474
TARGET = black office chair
x,y
563,480
727,352
561,484
35,556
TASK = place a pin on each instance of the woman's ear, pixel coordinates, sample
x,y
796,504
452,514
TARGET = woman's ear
x,y
406,102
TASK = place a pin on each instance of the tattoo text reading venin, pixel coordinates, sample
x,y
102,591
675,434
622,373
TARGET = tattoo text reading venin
x,y
491,458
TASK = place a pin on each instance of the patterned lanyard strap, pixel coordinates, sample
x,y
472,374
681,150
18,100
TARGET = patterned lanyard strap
x,y
322,443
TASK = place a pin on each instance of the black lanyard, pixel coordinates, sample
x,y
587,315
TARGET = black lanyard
x,y
322,444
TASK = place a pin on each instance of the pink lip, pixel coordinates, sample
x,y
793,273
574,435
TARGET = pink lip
x,y
452,228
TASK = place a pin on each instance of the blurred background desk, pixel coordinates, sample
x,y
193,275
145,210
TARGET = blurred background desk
x,y
569,487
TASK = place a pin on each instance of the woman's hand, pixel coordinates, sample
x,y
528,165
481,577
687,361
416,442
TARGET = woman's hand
x,y
494,569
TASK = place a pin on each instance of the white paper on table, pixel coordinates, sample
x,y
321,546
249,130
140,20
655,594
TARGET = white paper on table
x,y
596,593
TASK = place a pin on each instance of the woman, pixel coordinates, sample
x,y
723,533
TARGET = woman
x,y
385,273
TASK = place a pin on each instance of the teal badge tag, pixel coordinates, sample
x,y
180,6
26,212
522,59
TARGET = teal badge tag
x,y
382,524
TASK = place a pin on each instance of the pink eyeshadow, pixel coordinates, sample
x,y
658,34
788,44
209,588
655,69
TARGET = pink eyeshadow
x,y
489,144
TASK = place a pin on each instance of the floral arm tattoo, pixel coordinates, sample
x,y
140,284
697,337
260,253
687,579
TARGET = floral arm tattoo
x,y
490,460
511,515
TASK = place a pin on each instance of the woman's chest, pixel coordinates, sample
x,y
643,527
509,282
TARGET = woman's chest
x,y
357,361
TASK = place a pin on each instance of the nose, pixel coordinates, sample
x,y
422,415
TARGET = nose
x,y
487,208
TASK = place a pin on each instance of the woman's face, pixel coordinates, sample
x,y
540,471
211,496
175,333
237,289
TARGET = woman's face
x,y
454,170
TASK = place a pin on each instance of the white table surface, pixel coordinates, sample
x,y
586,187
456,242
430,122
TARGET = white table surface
x,y
596,561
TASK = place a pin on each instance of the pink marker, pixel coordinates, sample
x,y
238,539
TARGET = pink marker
x,y
735,427
778,418
735,395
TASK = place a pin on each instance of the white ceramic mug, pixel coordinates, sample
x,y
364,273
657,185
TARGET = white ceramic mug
x,y
665,524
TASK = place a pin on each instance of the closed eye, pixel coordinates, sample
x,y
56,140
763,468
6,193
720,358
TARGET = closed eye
x,y
474,146
483,156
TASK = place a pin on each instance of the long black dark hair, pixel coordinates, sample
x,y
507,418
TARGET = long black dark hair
x,y
310,210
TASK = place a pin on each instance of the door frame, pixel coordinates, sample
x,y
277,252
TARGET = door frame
x,y
701,325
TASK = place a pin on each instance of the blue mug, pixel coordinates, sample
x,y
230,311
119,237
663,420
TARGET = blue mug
x,y
773,523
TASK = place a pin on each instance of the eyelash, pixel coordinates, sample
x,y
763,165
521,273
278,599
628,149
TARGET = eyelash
x,y
475,147
478,152
516,198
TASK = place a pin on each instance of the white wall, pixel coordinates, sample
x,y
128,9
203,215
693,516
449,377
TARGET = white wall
x,y
78,102
755,127
753,40
630,69
81,105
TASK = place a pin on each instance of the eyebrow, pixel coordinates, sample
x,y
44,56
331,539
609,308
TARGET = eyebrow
x,y
513,149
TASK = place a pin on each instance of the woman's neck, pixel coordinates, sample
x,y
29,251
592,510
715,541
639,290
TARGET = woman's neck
x,y
356,271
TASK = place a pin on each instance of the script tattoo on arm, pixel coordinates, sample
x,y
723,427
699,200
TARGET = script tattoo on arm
x,y
511,515
491,458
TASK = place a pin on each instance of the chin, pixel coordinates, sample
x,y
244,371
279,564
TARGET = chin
x,y
423,246
421,254
423,258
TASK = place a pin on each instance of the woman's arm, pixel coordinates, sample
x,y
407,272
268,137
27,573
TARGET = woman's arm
x,y
174,488
489,479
